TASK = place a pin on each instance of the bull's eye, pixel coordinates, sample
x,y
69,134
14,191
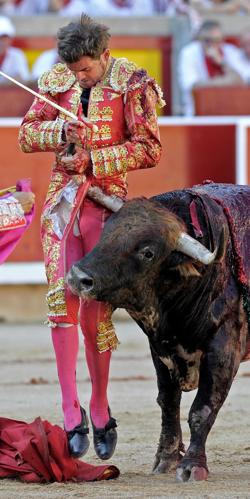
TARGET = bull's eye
x,y
146,253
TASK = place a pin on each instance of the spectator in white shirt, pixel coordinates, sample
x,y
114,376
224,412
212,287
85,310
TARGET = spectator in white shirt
x,y
222,6
12,60
206,61
23,7
242,61
68,7
121,8
44,62
185,8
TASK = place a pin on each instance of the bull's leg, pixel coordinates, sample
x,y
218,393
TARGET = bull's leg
x,y
216,375
170,444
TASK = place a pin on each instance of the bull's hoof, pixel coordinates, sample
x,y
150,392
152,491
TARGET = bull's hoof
x,y
166,464
163,466
194,473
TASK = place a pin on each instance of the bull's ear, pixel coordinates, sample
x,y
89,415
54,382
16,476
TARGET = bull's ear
x,y
188,270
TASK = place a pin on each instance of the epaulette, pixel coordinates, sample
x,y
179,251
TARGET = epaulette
x,y
57,80
121,72
141,80
126,76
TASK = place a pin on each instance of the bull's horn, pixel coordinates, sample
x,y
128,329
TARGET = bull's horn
x,y
189,246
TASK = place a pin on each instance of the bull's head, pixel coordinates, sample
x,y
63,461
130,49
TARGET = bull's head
x,y
137,242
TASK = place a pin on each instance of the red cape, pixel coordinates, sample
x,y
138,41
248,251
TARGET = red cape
x,y
38,452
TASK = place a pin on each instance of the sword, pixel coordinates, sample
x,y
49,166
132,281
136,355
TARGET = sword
x,y
86,122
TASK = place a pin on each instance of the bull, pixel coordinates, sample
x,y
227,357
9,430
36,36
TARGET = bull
x,y
179,264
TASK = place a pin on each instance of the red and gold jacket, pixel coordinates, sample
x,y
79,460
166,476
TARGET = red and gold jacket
x,y
122,105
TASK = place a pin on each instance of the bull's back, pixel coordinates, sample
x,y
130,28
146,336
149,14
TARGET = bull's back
x,y
235,203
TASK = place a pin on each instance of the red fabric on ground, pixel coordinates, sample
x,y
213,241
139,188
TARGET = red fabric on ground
x,y
38,452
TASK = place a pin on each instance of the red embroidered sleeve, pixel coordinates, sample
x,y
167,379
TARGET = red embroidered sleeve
x,y
41,129
143,149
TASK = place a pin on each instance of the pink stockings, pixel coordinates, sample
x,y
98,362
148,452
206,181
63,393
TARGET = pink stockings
x,y
66,342
65,339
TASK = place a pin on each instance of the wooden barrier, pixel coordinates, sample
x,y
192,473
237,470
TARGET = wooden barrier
x,y
15,101
193,150
222,101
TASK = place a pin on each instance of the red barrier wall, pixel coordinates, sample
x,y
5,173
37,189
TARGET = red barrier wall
x,y
190,155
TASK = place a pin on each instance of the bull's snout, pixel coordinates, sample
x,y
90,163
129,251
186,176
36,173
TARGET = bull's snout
x,y
79,281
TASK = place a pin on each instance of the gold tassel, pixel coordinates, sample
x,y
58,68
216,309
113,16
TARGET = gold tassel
x,y
106,338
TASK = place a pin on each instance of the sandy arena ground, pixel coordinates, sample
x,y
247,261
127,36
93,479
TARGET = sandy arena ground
x,y
28,388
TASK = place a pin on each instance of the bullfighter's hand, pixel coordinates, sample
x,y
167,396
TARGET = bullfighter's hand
x,y
26,200
74,132
78,162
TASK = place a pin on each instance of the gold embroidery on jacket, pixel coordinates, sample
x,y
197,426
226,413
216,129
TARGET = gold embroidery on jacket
x,y
97,94
107,113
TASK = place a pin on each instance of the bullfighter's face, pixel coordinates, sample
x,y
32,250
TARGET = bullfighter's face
x,y
123,267
89,71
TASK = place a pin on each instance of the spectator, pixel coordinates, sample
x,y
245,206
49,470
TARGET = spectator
x,y
23,7
242,59
6,7
44,62
12,60
68,7
222,6
173,8
121,7
206,61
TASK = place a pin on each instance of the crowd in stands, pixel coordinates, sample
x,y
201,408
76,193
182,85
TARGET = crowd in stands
x,y
206,61
209,61
194,9
12,60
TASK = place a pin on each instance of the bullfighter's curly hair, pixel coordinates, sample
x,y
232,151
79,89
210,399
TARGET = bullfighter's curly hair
x,y
83,38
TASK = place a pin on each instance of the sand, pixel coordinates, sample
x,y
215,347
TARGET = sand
x,y
29,388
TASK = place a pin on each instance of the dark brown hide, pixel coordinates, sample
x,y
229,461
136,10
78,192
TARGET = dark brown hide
x,y
195,315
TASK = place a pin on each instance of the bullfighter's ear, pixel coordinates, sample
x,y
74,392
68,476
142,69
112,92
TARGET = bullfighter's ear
x,y
188,270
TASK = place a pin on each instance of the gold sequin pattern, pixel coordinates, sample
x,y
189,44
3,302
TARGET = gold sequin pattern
x,y
106,338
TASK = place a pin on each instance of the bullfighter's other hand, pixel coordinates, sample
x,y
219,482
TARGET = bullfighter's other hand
x,y
78,162
26,200
74,132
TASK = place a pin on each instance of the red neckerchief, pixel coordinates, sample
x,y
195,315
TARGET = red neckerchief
x,y
213,68
2,57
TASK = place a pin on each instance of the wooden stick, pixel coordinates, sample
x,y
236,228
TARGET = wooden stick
x,y
53,104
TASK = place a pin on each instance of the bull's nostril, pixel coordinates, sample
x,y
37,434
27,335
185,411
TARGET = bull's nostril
x,y
87,282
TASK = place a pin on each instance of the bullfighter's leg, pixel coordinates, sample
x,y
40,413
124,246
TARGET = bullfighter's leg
x,y
217,371
65,342
92,313
170,448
